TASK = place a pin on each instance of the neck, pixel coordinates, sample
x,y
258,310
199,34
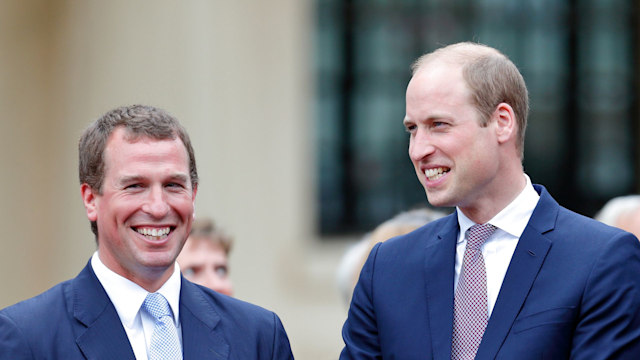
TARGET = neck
x,y
489,205
152,280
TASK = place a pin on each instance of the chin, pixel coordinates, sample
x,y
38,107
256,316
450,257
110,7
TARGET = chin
x,y
439,201
160,260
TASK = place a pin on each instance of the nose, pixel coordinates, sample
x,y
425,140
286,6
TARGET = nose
x,y
420,145
156,203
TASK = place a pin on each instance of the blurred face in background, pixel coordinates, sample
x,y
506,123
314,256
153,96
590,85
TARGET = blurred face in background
x,y
205,262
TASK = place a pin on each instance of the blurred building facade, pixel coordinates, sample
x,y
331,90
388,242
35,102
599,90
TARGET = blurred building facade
x,y
579,58
295,111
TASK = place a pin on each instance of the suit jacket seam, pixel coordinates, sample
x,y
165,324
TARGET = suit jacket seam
x,y
594,267
21,333
373,268
275,333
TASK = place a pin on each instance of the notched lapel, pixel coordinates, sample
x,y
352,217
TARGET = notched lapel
x,y
527,260
439,274
101,335
106,339
202,336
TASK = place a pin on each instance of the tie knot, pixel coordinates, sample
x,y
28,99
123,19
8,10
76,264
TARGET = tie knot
x,y
156,305
478,234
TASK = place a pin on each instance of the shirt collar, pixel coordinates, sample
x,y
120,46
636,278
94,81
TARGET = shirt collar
x,y
127,297
514,218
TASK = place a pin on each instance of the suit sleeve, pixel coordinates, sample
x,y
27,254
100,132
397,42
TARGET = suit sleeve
x,y
360,331
609,324
281,346
13,345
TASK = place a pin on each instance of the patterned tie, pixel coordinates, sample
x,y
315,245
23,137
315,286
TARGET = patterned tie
x,y
165,344
470,315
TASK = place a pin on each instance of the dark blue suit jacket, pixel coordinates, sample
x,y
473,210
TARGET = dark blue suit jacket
x,y
572,290
76,320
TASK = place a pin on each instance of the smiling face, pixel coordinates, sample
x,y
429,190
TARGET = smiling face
x,y
455,158
145,209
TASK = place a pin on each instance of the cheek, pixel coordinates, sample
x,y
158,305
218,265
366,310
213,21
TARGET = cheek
x,y
183,205
121,210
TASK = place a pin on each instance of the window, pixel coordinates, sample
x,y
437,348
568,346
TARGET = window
x,y
577,58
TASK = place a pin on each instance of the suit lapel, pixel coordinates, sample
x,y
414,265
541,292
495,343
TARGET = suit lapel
x,y
102,335
524,267
202,336
439,274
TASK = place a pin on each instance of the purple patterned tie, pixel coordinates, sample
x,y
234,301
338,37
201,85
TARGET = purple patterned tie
x,y
470,315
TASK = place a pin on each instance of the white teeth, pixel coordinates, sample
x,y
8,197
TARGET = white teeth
x,y
435,173
153,232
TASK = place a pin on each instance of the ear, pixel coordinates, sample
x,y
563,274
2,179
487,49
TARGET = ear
x,y
89,200
505,120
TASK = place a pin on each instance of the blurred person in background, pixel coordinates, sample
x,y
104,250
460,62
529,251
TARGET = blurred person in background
x,y
204,259
138,182
355,256
622,212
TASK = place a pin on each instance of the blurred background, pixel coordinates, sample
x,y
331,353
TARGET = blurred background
x,y
295,110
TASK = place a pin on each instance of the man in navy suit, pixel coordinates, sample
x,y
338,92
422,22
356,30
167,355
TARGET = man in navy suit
x,y
138,183
553,284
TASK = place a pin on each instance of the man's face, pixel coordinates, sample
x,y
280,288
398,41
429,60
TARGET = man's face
x,y
205,262
455,159
145,211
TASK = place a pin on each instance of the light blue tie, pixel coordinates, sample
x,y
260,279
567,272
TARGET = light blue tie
x,y
165,344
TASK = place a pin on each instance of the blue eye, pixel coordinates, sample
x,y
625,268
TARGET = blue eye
x,y
175,186
188,272
439,124
222,271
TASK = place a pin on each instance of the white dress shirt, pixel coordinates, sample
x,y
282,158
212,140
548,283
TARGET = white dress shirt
x,y
498,249
127,297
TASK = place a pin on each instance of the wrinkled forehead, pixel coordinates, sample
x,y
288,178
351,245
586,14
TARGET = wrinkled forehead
x,y
121,143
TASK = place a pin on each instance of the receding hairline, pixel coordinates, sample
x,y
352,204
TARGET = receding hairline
x,y
456,54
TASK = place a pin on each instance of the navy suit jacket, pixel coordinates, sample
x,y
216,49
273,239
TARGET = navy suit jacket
x,y
572,290
76,320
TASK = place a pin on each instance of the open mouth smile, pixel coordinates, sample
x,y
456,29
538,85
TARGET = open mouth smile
x,y
435,173
153,233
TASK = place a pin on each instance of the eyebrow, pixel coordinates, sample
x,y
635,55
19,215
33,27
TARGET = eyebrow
x,y
180,177
137,178
433,117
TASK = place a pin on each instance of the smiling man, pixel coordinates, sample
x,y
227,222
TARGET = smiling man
x,y
510,274
138,183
